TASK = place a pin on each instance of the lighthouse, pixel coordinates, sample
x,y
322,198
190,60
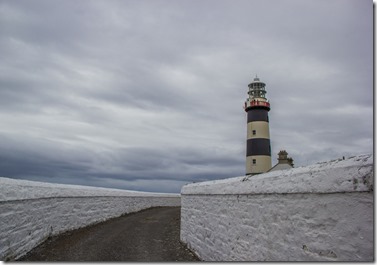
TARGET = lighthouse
x,y
258,148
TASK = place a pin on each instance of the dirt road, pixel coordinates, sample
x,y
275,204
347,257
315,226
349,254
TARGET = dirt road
x,y
149,235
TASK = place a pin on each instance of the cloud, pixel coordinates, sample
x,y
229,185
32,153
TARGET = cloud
x,y
148,95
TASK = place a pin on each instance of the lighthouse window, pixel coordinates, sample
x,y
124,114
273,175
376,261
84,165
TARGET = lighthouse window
x,y
254,161
254,132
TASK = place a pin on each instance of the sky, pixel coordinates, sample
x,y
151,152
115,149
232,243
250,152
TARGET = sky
x,y
148,94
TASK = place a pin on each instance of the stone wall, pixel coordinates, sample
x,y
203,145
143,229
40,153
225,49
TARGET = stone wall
x,y
30,212
322,212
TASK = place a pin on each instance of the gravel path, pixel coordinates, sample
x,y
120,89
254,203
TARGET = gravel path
x,y
149,235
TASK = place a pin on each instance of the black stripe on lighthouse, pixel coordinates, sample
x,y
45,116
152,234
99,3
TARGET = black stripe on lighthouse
x,y
258,146
257,115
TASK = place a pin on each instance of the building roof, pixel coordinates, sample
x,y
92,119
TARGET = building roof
x,y
280,166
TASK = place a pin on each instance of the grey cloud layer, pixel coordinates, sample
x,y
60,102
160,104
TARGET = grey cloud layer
x,y
148,94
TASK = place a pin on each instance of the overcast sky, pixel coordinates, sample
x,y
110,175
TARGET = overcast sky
x,y
148,94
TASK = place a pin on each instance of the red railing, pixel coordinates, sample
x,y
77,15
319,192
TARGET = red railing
x,y
255,103
259,103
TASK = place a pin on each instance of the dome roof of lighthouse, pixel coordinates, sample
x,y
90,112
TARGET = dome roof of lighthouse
x,y
256,81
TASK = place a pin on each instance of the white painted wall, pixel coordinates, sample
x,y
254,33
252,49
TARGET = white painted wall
x,y
322,212
30,211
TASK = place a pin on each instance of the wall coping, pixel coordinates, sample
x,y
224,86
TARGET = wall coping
x,y
354,174
16,189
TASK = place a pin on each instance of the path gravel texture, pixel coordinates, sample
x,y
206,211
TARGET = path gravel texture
x,y
148,235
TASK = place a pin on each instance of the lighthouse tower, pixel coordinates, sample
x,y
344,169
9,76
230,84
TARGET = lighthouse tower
x,y
258,149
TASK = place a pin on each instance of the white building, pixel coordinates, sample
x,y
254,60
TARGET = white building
x,y
284,162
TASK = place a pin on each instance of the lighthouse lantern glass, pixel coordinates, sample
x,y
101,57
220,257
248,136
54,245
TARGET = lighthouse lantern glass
x,y
257,90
